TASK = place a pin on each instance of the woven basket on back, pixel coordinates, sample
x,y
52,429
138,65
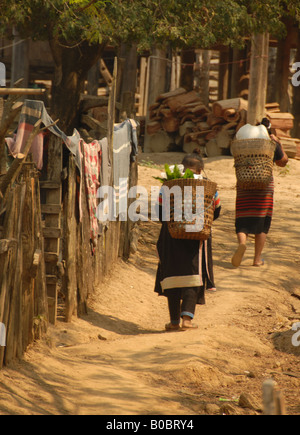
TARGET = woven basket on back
x,y
176,228
253,162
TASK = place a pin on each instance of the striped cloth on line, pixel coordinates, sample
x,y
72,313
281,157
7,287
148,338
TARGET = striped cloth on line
x,y
92,165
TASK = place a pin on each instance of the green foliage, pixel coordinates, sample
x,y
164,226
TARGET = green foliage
x,y
181,23
175,174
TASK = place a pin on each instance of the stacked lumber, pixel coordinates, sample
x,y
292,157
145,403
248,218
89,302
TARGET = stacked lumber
x,y
283,123
190,124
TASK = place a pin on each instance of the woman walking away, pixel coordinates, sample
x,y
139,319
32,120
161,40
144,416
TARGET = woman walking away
x,y
254,210
185,266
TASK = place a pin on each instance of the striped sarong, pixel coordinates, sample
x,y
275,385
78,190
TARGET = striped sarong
x,y
254,210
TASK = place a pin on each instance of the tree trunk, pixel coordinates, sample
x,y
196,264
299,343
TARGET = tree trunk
x,y
204,76
223,74
238,70
128,54
188,58
258,78
20,61
283,69
157,83
71,69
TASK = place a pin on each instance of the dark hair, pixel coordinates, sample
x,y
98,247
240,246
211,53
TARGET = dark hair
x,y
194,160
267,123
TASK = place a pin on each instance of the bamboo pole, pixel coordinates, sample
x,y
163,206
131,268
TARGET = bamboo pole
x,y
21,91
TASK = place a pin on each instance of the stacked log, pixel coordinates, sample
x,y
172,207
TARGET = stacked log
x,y
183,116
190,124
283,123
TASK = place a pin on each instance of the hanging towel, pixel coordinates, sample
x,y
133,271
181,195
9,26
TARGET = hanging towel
x,y
125,149
91,155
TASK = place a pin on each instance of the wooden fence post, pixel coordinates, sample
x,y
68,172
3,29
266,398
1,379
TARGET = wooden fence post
x,y
71,241
273,399
112,113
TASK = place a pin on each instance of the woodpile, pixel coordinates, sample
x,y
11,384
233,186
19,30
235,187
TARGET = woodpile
x,y
283,123
190,124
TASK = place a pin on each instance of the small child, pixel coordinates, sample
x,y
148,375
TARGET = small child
x,y
185,266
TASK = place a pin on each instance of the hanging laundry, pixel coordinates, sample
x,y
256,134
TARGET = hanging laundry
x,y
91,154
125,148
31,112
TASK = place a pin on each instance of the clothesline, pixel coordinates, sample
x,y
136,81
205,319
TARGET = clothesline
x,y
220,64
92,159
13,44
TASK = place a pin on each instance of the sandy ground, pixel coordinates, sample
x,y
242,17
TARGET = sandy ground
x,y
117,360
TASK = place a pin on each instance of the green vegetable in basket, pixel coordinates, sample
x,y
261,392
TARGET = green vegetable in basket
x,y
175,174
188,174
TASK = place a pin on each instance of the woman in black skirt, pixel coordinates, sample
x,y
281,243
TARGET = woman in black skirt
x,y
254,210
185,267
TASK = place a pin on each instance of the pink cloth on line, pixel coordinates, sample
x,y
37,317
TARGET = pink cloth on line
x,y
91,154
17,143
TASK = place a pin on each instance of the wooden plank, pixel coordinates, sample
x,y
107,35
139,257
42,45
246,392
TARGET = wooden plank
x,y
51,208
40,323
51,233
175,103
283,121
143,78
14,320
51,279
94,124
220,108
21,91
52,304
112,113
71,244
89,102
49,185
29,251
105,73
51,257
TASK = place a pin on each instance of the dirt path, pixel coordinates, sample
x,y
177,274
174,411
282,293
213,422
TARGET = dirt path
x,y
118,360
